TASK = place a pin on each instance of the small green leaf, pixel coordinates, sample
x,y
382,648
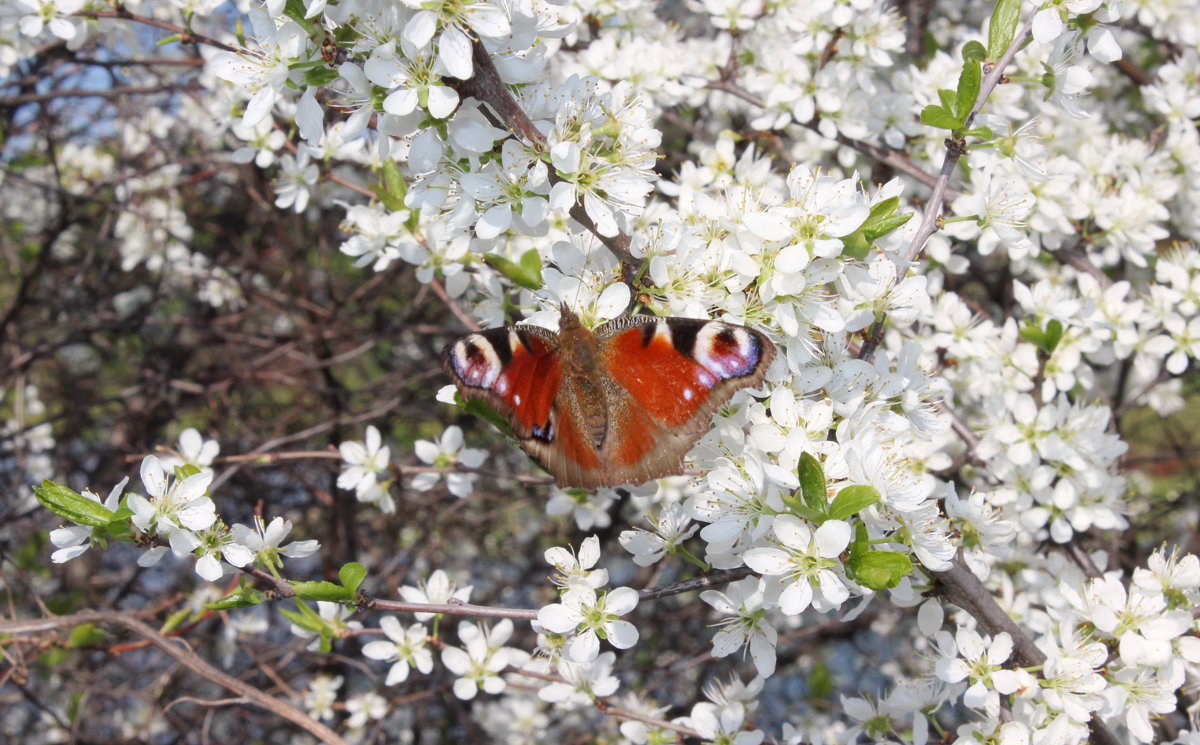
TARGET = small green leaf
x,y
85,635
531,262
319,77
940,117
307,621
969,82
479,408
812,484
882,209
242,598
946,98
1054,334
882,227
973,50
351,575
71,505
174,620
820,682
322,591
856,245
982,133
852,500
1033,335
859,546
800,509
880,570
526,271
1003,28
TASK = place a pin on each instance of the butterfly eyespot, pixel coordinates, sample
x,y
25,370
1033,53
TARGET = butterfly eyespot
x,y
545,434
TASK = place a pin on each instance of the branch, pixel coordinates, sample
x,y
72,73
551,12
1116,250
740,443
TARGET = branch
x,y
186,36
92,93
937,200
486,85
184,657
962,588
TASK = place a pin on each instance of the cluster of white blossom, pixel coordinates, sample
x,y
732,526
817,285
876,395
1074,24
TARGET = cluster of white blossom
x,y
176,508
512,123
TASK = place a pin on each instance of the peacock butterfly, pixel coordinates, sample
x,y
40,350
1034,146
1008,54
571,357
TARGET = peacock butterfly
x,y
618,405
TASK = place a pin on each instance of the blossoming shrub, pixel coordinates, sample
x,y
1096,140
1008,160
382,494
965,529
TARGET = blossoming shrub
x,y
237,235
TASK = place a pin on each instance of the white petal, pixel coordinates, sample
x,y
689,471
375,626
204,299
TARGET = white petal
x,y
621,600
442,101
454,52
621,634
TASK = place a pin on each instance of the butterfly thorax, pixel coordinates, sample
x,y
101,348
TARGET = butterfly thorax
x,y
583,393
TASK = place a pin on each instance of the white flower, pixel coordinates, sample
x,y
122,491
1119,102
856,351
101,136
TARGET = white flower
x,y
406,648
803,560
73,540
589,618
363,462
193,450
174,510
448,452
584,682
365,707
295,179
743,600
576,574
437,591
321,696
264,544
723,724
967,656
671,528
480,661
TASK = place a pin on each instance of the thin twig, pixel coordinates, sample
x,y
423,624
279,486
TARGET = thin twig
x,y
185,657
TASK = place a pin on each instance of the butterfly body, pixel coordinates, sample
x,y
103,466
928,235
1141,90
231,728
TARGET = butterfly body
x,y
619,405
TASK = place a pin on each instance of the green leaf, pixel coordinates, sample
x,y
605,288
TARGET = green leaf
x,y
852,500
969,82
882,209
71,505
526,271
307,621
947,98
319,77
886,225
983,133
859,546
812,484
820,682
1054,334
880,570
973,50
85,635
799,508
479,408
531,262
243,598
323,591
856,245
1003,28
351,575
175,619
940,117
1033,335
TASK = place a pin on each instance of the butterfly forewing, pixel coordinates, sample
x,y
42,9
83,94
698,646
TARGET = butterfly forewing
x,y
681,370
515,369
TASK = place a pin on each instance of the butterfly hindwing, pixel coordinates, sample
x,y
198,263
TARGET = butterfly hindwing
x,y
515,369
